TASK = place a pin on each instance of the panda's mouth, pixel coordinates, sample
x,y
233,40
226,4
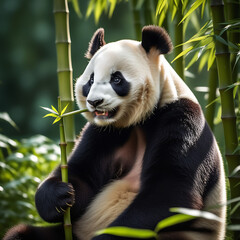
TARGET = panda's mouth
x,y
105,114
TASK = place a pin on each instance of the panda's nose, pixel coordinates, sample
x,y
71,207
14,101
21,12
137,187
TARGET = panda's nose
x,y
95,103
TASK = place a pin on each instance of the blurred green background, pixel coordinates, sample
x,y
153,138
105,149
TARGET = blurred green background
x,y
28,76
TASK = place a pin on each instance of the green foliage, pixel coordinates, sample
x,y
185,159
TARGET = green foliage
x,y
23,165
183,216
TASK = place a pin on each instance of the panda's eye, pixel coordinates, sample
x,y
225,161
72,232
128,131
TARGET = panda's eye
x,y
91,80
116,78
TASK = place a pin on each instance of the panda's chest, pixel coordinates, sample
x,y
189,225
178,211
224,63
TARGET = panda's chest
x,y
129,157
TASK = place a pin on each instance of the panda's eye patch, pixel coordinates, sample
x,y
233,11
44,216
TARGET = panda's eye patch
x,y
117,78
91,80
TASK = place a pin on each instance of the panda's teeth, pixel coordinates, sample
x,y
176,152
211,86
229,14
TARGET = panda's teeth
x,y
104,113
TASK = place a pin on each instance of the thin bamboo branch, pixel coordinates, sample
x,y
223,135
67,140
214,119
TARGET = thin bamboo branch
x,y
227,102
64,66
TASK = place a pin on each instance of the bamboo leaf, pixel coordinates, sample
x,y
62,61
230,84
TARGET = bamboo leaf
x,y
57,120
235,227
237,169
76,7
90,8
194,40
112,7
128,232
211,58
54,109
194,6
215,100
223,41
197,213
161,5
64,110
203,61
51,115
182,53
173,220
49,110
5,116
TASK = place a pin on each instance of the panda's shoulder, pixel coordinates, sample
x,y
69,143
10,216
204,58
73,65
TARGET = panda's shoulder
x,y
178,111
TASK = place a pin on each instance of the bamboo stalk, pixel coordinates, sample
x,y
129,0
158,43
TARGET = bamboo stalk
x,y
179,39
137,19
212,86
226,94
233,13
64,173
64,66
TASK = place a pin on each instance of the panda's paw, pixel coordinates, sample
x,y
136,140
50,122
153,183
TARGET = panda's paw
x,y
53,199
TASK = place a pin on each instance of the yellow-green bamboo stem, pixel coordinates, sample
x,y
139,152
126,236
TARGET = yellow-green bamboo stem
x,y
64,172
179,39
227,102
212,86
64,66
233,13
137,19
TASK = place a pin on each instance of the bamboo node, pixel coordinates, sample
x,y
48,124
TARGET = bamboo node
x,y
64,70
62,144
68,225
63,41
61,11
229,117
64,166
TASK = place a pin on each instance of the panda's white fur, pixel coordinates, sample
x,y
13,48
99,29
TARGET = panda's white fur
x,y
150,75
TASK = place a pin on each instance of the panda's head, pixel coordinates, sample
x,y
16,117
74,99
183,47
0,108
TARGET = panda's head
x,y
120,86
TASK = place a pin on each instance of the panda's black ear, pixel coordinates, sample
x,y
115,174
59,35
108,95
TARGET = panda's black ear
x,y
96,43
157,38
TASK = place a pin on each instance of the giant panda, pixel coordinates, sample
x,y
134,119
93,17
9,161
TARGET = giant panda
x,y
146,148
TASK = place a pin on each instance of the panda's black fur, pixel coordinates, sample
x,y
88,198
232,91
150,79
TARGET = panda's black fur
x,y
130,173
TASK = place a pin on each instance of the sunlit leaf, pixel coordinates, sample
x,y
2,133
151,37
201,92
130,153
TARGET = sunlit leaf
x,y
235,227
218,118
90,8
161,5
50,115
203,61
76,7
211,58
182,53
112,7
64,110
5,116
197,213
194,6
128,232
173,220
54,109
49,110
57,120
194,40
